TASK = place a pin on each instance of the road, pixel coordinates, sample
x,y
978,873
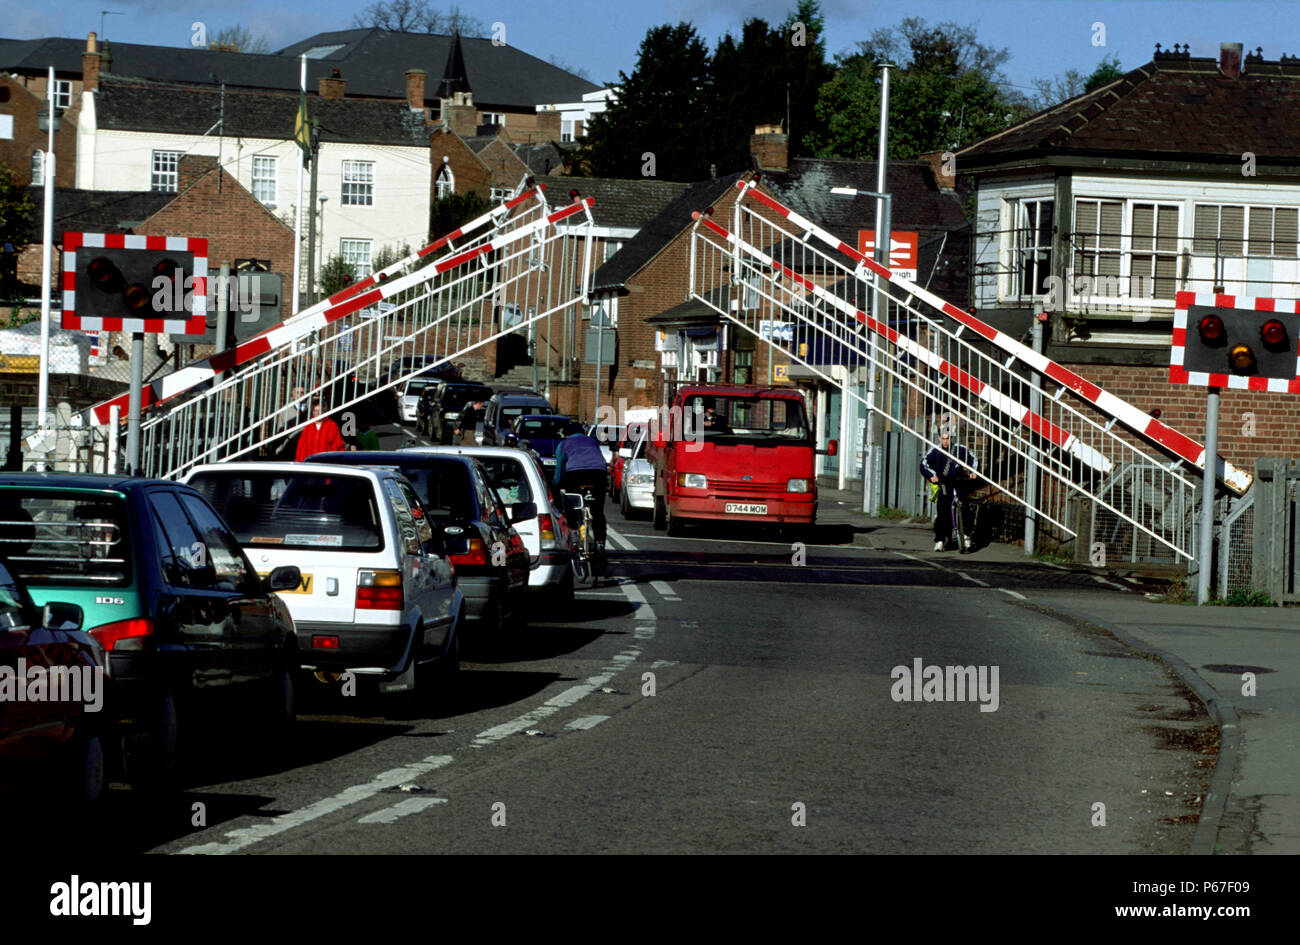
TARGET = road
x,y
721,694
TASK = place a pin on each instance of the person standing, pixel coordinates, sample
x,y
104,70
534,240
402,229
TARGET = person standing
x,y
320,436
467,423
953,469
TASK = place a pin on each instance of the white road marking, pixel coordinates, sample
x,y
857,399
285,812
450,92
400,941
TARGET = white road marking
x,y
617,539
586,722
1013,593
971,579
666,592
933,564
663,664
412,805
643,609
1059,567
247,836
1101,580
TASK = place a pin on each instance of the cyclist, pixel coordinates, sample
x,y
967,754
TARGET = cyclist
x,y
578,463
953,469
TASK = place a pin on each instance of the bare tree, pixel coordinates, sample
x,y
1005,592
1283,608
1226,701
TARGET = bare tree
x,y
560,63
1049,92
416,16
239,38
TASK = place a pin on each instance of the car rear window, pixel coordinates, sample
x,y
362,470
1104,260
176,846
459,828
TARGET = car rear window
x,y
454,397
65,538
546,428
443,488
296,510
506,475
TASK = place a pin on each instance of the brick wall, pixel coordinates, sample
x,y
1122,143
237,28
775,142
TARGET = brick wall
x,y
471,174
503,165
23,105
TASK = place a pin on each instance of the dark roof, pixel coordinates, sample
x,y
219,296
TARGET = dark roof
x,y
541,157
479,142
455,77
693,313
659,231
374,61
918,203
618,203
96,211
135,105
1174,106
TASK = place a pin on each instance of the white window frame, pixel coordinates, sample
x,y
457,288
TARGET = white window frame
x,y
358,187
444,185
261,181
63,94
499,195
494,118
1015,213
358,254
1124,251
566,130
159,178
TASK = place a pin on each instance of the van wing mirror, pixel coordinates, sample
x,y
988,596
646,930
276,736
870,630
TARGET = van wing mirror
x,y
832,449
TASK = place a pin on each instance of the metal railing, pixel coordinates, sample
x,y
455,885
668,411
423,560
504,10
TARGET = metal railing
x,y
525,265
1122,272
1037,449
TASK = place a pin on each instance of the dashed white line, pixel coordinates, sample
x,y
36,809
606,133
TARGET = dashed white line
x,y
586,722
971,579
390,815
1013,593
618,539
666,592
933,564
247,836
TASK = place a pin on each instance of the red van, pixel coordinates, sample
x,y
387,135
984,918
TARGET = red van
x,y
735,453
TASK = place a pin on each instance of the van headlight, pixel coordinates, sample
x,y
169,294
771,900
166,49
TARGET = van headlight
x,y
692,480
797,485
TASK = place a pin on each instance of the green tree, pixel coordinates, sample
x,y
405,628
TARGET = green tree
x,y
946,92
453,211
660,124
16,215
806,71
1107,71
334,275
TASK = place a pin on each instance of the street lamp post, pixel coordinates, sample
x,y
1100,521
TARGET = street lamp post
x,y
49,122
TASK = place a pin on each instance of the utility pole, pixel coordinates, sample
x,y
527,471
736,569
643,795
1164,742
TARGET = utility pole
x,y
311,215
869,484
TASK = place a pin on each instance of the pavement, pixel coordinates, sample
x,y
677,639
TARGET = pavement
x,y
1243,663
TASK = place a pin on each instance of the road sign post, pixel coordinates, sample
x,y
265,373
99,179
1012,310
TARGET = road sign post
x,y
1205,545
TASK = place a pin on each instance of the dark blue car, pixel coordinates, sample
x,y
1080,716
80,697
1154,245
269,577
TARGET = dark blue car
x,y
540,433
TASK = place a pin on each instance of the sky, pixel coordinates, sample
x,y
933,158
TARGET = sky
x,y
1045,37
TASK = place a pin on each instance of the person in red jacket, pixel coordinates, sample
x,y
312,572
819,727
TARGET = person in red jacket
x,y
320,436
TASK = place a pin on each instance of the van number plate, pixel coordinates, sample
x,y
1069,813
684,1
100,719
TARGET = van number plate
x,y
744,508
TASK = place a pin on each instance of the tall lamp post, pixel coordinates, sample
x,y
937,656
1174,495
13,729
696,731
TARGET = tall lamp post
x,y
48,121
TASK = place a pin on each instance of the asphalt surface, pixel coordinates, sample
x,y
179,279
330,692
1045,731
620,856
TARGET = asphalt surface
x,y
717,693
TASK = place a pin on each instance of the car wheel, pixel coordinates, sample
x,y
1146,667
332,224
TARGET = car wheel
x,y
563,594
282,707
444,677
84,777
623,505
152,757
659,518
673,524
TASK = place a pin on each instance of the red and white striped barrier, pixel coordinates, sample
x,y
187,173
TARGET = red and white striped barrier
x,y
195,323
366,293
1136,420
1180,375
1061,438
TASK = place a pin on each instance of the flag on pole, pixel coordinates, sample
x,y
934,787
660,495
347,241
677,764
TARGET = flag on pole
x,y
301,128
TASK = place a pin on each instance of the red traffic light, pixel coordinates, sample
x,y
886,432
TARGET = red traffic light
x,y
105,275
1212,330
1273,333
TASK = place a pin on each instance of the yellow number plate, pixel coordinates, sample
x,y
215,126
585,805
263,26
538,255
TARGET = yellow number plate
x,y
303,588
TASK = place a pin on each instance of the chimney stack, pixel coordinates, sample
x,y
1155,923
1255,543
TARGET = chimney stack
x,y
331,86
770,148
1230,59
415,89
90,64
937,163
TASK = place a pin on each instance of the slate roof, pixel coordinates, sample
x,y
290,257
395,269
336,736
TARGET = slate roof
x,y
542,157
618,203
373,61
96,211
658,231
919,205
1175,106
135,105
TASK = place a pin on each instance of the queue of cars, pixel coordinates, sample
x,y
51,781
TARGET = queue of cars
x,y
189,602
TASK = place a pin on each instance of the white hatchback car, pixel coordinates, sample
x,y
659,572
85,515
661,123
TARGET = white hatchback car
x,y
638,486
378,597
517,476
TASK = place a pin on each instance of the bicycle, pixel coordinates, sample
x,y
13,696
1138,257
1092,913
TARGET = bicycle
x,y
958,509
589,561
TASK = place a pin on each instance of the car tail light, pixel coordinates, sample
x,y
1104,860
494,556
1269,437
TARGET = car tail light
x,y
477,553
546,529
379,590
124,634
324,642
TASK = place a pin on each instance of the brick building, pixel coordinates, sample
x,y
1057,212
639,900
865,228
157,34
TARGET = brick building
x,y
1181,176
